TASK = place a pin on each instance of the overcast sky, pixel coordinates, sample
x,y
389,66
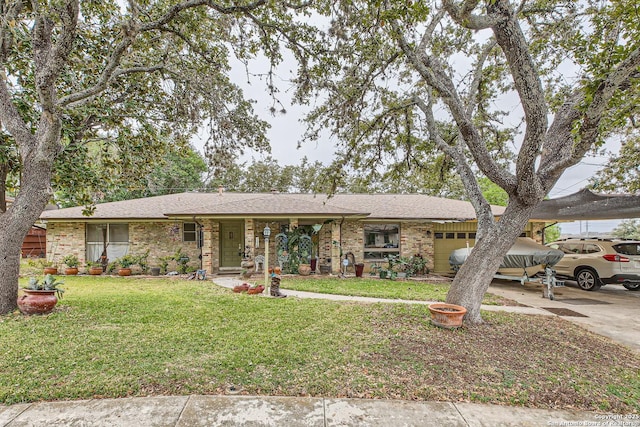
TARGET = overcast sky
x,y
286,132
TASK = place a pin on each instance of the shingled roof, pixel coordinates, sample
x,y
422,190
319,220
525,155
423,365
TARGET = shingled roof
x,y
186,205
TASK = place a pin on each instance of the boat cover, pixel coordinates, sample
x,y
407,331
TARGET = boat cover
x,y
525,252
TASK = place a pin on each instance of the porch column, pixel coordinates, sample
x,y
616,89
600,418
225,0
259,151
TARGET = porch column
x,y
210,246
335,247
250,238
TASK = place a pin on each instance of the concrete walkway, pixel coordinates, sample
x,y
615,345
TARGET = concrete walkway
x,y
190,411
322,412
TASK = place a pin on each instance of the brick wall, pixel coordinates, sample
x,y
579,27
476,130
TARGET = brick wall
x,y
65,238
417,238
160,241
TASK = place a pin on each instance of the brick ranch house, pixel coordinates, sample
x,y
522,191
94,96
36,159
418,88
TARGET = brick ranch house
x,y
216,229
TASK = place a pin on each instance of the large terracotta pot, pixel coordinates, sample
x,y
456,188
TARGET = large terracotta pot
x,y
71,271
95,271
304,269
37,302
124,272
50,270
447,316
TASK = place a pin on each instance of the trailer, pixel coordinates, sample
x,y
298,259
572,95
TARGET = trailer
x,y
534,260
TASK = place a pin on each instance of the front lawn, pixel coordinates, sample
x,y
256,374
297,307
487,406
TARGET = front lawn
x,y
416,290
116,337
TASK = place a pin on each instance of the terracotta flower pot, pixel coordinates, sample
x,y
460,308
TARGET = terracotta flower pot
x,y
124,272
37,302
71,271
304,269
255,290
447,316
50,270
95,271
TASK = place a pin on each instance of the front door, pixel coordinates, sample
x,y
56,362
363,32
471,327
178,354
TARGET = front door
x,y
231,242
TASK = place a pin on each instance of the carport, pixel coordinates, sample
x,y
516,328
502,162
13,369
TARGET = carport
x,y
586,205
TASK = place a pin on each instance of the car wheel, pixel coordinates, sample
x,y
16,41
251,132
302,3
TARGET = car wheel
x,y
635,286
588,280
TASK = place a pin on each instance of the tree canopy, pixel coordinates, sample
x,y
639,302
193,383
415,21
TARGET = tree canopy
x,y
121,83
515,92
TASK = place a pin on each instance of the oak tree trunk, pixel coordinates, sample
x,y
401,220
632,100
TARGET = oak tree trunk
x,y
475,275
15,223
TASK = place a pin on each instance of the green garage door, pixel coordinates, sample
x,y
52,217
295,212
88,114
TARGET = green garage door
x,y
447,239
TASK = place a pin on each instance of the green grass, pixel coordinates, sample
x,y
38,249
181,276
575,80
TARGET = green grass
x,y
116,337
376,288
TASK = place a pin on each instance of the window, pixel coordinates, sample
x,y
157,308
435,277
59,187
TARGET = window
x,y
113,237
189,232
590,249
381,240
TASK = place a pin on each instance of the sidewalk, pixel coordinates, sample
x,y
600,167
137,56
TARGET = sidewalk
x,y
190,411
183,411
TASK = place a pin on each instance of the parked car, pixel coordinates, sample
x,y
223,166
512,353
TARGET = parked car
x,y
597,262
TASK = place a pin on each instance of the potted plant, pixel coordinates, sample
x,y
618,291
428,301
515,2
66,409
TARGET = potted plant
x,y
124,263
50,267
40,297
448,316
71,261
94,268
164,264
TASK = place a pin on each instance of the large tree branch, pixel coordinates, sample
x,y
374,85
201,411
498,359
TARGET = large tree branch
x,y
433,73
462,15
561,149
456,152
9,12
11,118
131,29
511,39
616,79
50,59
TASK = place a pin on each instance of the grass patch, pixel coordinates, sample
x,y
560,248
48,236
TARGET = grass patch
x,y
116,337
414,290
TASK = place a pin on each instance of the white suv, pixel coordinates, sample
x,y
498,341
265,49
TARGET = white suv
x,y
597,262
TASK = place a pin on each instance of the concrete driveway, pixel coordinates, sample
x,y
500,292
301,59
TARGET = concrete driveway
x,y
612,311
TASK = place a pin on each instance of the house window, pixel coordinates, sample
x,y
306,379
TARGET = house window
x,y
113,237
381,240
189,232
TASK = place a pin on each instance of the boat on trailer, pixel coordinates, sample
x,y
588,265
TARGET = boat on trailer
x,y
527,262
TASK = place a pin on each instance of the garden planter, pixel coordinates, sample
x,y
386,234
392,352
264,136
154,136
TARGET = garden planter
x,y
37,302
95,271
124,272
325,269
304,269
255,290
71,271
314,264
50,270
155,271
448,316
359,270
